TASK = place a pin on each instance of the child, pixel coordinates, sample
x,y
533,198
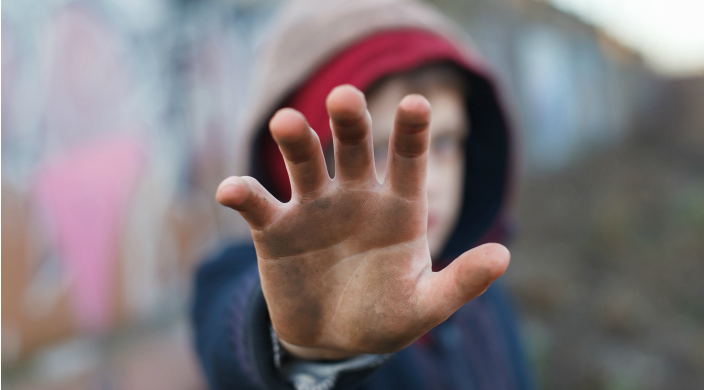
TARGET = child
x,y
338,283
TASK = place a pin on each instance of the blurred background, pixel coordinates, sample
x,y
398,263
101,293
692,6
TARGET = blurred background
x,y
117,116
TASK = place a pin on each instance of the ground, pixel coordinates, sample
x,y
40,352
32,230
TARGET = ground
x,y
608,262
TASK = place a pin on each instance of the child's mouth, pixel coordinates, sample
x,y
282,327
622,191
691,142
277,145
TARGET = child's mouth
x,y
432,222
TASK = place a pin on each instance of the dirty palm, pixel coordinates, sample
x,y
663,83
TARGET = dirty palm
x,y
344,265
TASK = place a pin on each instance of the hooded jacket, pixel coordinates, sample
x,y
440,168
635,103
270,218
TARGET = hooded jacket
x,y
316,45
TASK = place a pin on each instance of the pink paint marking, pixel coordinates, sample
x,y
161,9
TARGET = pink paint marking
x,y
86,196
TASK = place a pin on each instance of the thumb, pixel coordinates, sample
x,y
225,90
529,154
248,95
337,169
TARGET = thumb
x,y
250,198
442,293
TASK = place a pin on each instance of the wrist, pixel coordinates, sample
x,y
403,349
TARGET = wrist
x,y
310,353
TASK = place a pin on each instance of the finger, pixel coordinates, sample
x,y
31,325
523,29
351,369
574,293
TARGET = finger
x,y
408,147
246,195
301,149
442,293
351,128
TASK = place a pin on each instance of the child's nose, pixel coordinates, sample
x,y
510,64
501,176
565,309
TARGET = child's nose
x,y
434,174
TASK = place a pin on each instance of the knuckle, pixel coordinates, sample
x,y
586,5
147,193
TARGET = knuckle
x,y
351,131
411,149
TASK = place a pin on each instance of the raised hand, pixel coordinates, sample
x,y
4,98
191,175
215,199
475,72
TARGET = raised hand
x,y
345,266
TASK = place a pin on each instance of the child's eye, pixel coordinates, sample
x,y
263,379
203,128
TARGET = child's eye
x,y
446,145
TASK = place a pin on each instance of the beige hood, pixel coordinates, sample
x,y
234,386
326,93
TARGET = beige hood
x,y
306,33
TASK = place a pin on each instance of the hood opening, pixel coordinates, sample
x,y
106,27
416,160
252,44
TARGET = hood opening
x,y
367,62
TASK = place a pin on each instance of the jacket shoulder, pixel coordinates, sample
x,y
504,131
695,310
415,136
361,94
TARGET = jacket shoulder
x,y
233,258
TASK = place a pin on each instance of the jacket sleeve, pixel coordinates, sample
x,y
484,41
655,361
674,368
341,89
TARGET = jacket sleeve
x,y
233,333
223,288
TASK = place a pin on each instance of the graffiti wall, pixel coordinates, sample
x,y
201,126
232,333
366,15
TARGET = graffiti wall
x,y
116,121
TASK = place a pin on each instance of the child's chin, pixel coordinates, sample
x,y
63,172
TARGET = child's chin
x,y
432,223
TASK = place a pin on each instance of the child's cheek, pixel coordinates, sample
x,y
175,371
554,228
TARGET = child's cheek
x,y
445,181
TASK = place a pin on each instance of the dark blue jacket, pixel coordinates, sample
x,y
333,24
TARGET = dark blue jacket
x,y
477,348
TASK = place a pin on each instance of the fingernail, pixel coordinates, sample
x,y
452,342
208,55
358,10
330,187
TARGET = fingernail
x,y
230,181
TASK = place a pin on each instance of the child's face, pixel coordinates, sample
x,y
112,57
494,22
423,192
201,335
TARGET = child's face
x,y
448,129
